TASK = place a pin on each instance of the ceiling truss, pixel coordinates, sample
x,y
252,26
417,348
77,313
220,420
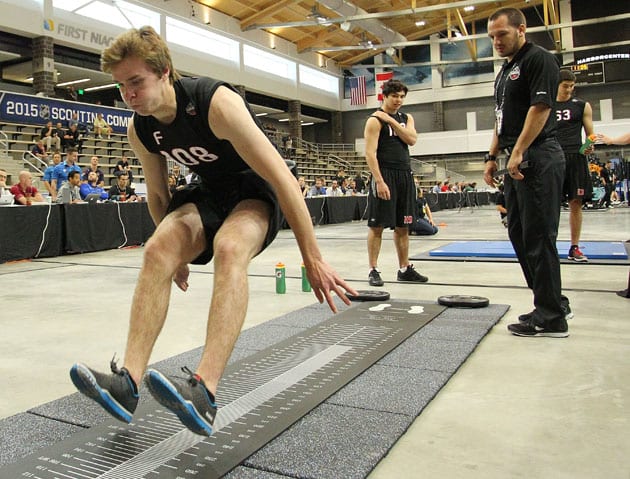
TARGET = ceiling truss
x,y
351,31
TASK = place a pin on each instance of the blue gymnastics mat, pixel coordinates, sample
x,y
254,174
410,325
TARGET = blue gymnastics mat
x,y
597,250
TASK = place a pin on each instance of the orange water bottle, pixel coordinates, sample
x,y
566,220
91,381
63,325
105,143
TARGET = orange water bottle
x,y
590,140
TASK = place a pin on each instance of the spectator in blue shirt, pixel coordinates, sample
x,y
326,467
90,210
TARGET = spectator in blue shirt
x,y
60,173
39,150
48,176
82,127
100,181
318,189
92,187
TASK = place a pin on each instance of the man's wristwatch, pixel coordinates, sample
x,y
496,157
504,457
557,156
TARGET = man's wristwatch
x,y
489,157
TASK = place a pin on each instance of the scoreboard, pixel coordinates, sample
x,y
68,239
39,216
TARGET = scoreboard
x,y
588,73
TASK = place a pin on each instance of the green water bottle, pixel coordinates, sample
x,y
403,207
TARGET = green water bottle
x,y
306,286
590,141
281,283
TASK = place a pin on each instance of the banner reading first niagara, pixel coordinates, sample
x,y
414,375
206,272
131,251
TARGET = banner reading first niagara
x,y
35,110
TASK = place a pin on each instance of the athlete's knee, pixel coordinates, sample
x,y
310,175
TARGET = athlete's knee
x,y
159,256
401,231
229,250
376,231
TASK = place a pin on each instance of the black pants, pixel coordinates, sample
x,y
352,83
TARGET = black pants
x,y
608,188
533,206
422,227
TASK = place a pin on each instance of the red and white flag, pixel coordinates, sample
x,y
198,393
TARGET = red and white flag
x,y
380,79
358,91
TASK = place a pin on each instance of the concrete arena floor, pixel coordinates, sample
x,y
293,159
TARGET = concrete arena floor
x,y
531,407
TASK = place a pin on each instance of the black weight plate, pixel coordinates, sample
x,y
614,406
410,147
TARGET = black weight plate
x,y
368,295
463,301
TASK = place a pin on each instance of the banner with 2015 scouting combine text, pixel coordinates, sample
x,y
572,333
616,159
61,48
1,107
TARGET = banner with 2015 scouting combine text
x,y
36,110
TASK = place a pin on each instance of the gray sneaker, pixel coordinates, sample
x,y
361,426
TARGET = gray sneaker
x,y
116,392
576,255
188,398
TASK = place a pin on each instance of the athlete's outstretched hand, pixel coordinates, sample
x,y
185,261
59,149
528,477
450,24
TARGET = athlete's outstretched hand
x,y
180,278
324,279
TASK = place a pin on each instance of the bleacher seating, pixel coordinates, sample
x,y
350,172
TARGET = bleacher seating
x,y
313,159
22,137
316,160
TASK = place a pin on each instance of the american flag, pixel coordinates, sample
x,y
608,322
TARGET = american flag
x,y
358,93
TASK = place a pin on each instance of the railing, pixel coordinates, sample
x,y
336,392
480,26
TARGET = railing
x,y
336,146
340,162
31,160
4,142
417,166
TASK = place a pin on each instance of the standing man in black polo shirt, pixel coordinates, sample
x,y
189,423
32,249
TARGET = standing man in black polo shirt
x,y
572,115
525,92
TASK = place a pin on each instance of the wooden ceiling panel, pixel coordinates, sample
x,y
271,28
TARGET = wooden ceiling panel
x,y
273,15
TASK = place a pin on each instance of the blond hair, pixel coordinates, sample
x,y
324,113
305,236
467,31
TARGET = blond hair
x,y
143,43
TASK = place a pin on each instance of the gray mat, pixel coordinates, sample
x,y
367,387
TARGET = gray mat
x,y
25,433
368,415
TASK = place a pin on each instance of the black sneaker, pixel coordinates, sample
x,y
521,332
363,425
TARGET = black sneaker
x,y
116,392
566,309
374,278
527,317
411,275
532,330
576,255
188,398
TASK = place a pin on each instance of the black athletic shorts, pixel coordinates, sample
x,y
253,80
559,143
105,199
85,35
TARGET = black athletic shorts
x,y
399,211
577,178
215,201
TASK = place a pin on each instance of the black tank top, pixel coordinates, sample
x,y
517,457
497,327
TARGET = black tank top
x,y
188,139
569,132
391,151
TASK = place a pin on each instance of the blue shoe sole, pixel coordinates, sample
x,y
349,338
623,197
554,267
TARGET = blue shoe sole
x,y
167,395
86,383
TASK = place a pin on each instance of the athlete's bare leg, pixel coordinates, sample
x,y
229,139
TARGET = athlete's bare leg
x,y
401,241
178,239
374,240
575,220
239,239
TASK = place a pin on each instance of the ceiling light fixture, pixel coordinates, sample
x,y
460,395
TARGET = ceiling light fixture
x,y
102,87
455,31
318,16
420,23
365,42
391,51
345,26
469,8
73,82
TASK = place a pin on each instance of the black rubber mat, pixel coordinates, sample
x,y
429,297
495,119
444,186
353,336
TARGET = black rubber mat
x,y
260,396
